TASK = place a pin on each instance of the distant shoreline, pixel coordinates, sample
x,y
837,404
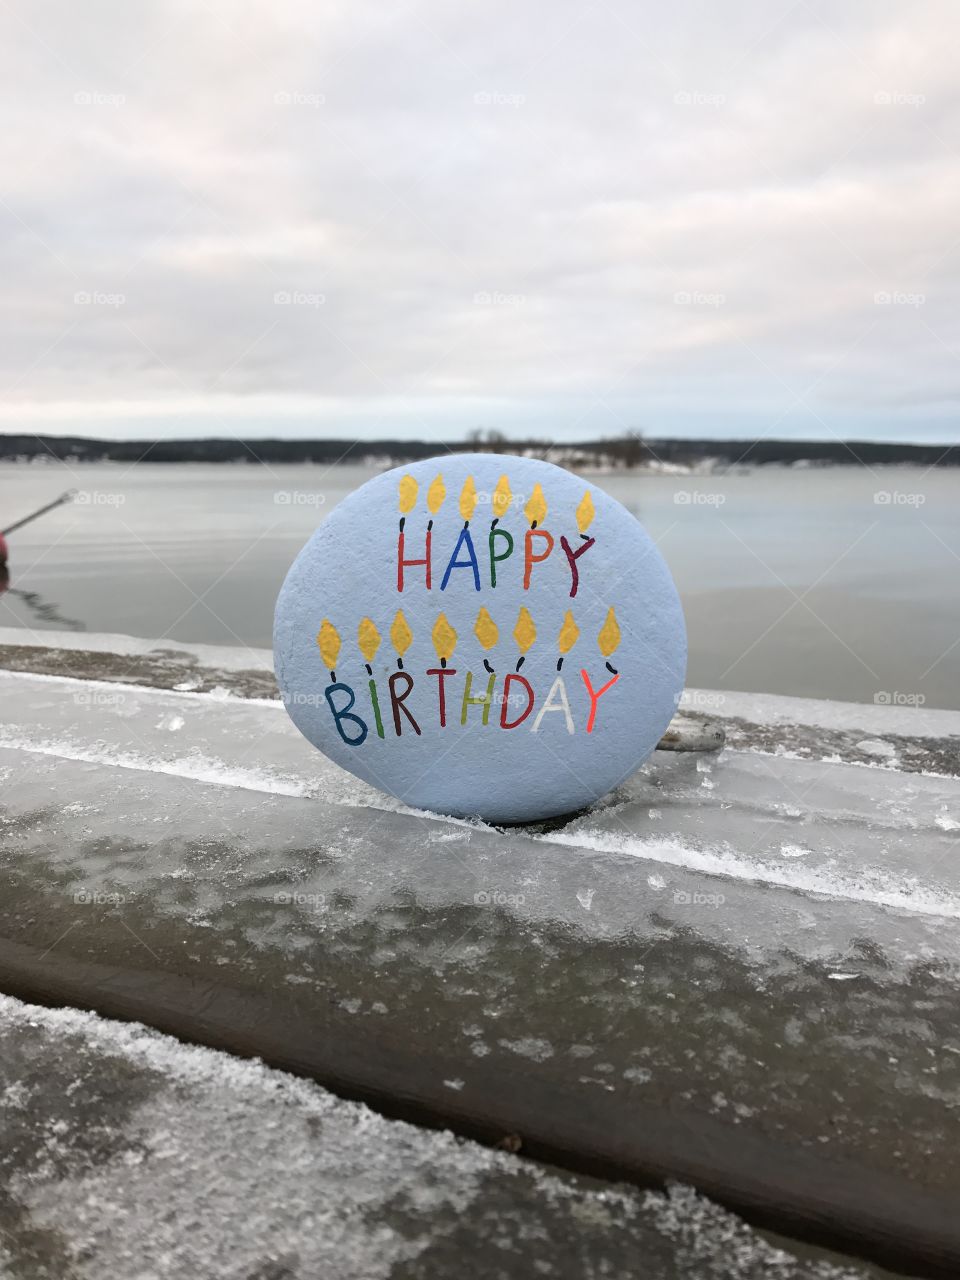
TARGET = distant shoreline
x,y
628,453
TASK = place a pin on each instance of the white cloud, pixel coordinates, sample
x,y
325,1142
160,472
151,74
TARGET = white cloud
x,y
562,218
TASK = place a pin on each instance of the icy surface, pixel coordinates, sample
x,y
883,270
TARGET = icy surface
x,y
882,716
890,840
226,657
131,1156
728,933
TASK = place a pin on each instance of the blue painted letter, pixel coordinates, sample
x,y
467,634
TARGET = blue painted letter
x,y
344,713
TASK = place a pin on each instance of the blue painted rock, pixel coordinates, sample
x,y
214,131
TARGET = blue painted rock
x,y
482,635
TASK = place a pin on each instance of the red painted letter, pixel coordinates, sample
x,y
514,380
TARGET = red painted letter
x,y
441,673
401,563
506,701
595,697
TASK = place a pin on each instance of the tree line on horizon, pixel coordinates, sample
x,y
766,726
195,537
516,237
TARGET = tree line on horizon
x,y
626,452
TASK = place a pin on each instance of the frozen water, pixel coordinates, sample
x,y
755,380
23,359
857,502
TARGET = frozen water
x,y
673,931
129,1155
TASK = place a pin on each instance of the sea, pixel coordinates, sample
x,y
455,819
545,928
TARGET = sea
x,y
826,582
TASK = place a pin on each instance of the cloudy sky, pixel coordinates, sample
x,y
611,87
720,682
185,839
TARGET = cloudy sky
x,y
560,217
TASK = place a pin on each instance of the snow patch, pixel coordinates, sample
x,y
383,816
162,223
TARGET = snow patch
x,y
871,885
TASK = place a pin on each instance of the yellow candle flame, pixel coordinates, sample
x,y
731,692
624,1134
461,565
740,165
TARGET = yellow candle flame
x,y
401,636
569,633
585,512
502,497
329,644
436,494
408,489
486,630
368,638
468,498
536,508
444,637
609,636
524,632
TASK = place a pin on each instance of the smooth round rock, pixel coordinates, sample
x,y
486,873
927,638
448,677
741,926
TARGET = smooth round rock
x,y
482,635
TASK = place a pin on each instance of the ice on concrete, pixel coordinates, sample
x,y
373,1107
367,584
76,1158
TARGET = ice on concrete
x,y
881,839
396,923
690,934
885,716
222,657
131,1156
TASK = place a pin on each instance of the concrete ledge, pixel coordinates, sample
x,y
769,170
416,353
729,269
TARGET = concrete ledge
x,y
837,1205
912,739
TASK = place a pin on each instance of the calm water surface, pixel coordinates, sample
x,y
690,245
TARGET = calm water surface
x,y
837,583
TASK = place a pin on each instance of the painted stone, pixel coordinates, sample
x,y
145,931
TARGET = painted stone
x,y
482,635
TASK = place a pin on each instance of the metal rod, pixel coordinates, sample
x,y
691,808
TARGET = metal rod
x,y
64,497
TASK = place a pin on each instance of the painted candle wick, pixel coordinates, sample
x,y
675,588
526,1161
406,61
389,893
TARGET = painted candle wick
x,y
400,637
609,639
536,508
500,501
525,634
444,639
486,631
407,491
328,642
468,500
568,637
368,638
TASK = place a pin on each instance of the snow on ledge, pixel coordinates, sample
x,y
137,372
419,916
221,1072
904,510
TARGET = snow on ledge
x,y
769,709
222,657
